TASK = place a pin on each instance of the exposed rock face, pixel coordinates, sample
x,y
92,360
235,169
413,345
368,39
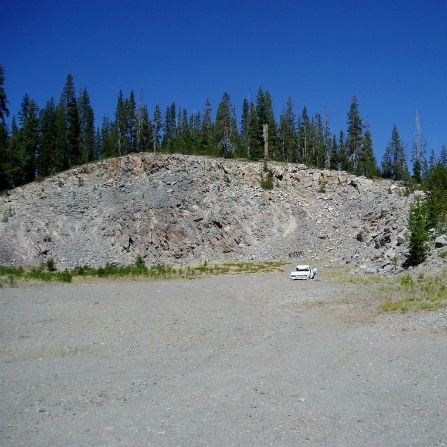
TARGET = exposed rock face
x,y
175,208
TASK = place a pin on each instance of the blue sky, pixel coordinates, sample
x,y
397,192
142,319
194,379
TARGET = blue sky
x,y
391,54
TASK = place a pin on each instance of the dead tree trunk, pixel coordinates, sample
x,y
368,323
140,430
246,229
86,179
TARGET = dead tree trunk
x,y
265,134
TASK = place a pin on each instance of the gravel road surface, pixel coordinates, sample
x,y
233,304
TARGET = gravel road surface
x,y
246,360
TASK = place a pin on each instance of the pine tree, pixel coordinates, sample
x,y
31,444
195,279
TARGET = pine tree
x,y
3,154
125,121
157,125
74,134
27,140
287,134
143,128
131,122
417,228
417,171
226,127
47,163
4,112
121,123
264,108
109,139
394,164
317,149
387,163
185,135
170,129
195,128
255,140
304,134
206,130
334,153
61,156
69,107
436,188
11,161
98,144
433,159
354,137
245,126
367,163
327,141
87,127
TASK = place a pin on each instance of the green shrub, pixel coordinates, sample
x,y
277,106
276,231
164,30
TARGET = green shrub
x,y
50,265
84,270
64,276
267,181
140,265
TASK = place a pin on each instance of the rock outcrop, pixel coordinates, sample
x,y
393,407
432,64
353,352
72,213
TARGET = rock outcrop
x,y
188,209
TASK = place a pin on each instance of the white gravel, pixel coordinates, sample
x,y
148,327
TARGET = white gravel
x,y
252,360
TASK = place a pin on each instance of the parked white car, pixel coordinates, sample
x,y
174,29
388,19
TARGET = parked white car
x,y
303,272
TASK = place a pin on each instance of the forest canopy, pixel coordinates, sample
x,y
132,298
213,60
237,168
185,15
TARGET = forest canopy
x,y
42,141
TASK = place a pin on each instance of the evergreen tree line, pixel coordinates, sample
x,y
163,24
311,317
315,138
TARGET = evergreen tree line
x,y
61,135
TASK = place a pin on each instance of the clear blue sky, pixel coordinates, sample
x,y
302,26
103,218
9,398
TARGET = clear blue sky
x,y
391,54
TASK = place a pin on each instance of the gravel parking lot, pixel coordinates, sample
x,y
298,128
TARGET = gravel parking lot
x,y
245,360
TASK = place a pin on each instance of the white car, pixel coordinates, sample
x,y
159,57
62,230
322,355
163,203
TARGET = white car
x,y
303,272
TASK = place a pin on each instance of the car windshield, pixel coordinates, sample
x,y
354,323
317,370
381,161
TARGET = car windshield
x,y
302,269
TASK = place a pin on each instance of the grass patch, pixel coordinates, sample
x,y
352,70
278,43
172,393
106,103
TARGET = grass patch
x,y
11,275
421,293
343,275
400,293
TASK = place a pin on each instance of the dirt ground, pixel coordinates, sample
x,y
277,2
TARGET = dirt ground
x,y
248,360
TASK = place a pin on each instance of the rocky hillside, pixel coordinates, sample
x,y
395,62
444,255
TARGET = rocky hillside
x,y
188,209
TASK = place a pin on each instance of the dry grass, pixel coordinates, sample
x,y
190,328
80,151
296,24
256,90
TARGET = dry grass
x,y
400,293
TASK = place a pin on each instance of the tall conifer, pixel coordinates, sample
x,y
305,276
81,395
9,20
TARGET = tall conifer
x,y
27,140
157,123
226,127
87,127
287,133
47,162
264,108
4,112
354,136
